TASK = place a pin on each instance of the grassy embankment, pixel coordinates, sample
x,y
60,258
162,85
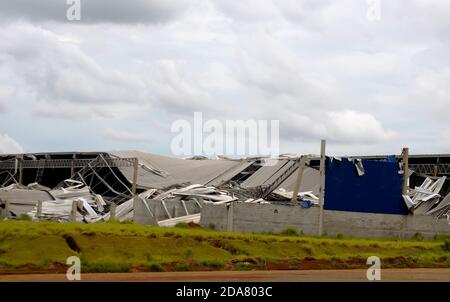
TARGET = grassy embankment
x,y
114,247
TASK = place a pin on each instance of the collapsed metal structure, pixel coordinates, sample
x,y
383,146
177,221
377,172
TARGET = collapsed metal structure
x,y
99,186
37,184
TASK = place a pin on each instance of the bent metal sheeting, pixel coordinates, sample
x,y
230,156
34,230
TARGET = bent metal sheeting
x,y
159,172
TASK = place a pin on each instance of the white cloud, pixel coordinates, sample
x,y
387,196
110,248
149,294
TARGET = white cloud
x,y
343,127
355,127
8,145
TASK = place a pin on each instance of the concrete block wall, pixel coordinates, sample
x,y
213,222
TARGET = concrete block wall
x,y
141,214
425,225
271,218
274,218
383,225
363,224
214,216
174,207
260,218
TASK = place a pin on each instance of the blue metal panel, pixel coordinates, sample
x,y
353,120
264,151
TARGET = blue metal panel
x,y
379,190
391,159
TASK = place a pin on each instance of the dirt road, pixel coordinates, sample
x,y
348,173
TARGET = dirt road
x,y
264,276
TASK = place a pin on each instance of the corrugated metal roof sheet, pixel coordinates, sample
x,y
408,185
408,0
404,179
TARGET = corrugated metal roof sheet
x,y
267,174
310,181
263,174
175,170
229,174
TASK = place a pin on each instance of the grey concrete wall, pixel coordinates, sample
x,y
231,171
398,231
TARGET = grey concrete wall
x,y
271,218
426,225
383,225
363,224
174,207
214,216
260,218
141,214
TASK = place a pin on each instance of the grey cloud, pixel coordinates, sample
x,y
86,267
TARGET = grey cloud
x,y
312,15
96,11
308,99
6,95
248,11
59,72
125,136
430,16
319,67
277,72
443,143
430,92
65,111
175,89
68,83
304,11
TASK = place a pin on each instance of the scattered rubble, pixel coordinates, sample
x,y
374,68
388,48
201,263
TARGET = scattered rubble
x,y
426,200
107,186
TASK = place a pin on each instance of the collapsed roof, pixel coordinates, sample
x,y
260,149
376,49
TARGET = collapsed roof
x,y
105,179
154,171
159,172
117,176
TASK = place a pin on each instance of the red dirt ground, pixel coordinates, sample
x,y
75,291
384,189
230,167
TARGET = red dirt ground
x,y
418,274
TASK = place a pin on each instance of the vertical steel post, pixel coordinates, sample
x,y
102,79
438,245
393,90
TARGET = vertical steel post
x,y
322,185
112,212
21,171
72,166
135,175
298,182
405,159
134,185
5,212
39,209
230,216
73,212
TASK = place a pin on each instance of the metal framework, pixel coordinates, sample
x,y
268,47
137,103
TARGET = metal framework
x,y
85,170
431,169
64,163
425,169
291,165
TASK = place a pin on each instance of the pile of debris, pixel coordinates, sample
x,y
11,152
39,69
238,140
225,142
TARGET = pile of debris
x,y
112,185
426,199
282,194
124,211
122,184
75,202
18,200
196,193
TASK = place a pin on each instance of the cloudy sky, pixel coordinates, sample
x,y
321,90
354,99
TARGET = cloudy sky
x,y
119,77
